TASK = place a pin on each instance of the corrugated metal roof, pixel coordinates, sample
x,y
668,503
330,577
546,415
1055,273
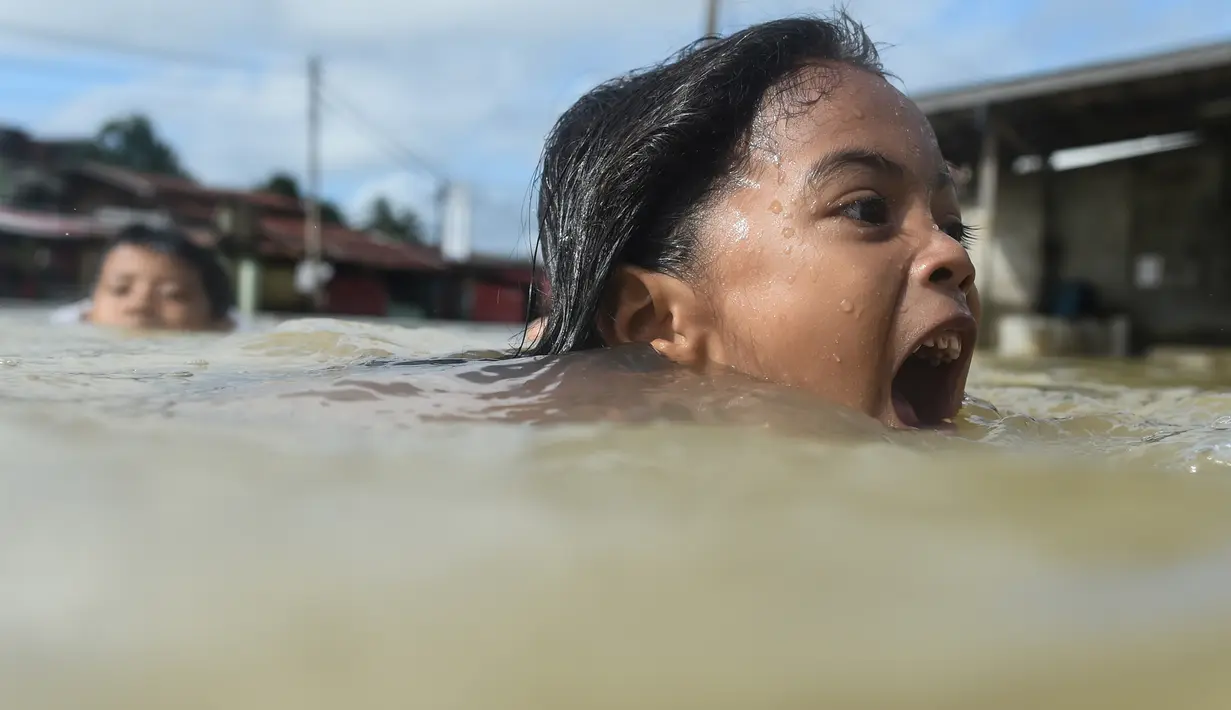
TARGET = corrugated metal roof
x,y
125,179
283,231
149,184
346,245
43,225
1153,66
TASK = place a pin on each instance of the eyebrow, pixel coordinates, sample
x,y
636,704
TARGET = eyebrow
x,y
829,165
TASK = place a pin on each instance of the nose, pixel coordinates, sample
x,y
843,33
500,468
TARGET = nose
x,y
945,263
140,300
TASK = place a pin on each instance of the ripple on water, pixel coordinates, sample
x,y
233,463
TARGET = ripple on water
x,y
292,519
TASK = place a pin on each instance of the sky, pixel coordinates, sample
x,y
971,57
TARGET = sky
x,y
467,89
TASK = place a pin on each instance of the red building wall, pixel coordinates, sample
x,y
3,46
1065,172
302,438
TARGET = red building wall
x,y
496,303
358,294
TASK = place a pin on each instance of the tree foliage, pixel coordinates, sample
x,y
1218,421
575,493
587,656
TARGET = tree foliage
x,y
285,184
132,142
403,225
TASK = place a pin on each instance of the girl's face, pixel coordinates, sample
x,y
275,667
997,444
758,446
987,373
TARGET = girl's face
x,y
142,289
838,263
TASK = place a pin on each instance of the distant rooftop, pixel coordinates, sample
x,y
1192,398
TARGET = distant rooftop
x,y
1174,92
1114,72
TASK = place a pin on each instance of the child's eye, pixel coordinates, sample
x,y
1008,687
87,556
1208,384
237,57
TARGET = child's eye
x,y
963,233
870,210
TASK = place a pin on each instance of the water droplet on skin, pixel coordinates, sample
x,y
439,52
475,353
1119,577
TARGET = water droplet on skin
x,y
741,228
837,358
775,207
846,306
788,232
781,177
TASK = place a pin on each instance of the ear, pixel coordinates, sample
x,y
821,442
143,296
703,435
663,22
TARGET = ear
x,y
642,306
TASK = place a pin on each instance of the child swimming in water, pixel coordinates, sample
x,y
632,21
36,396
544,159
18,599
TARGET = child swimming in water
x,y
770,203
156,280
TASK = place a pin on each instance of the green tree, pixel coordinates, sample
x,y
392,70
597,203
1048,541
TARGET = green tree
x,y
281,184
404,225
285,184
132,142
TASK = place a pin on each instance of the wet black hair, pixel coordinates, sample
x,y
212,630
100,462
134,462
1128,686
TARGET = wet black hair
x,y
174,243
627,171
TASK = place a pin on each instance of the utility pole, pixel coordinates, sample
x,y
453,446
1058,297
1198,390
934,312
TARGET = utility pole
x,y
236,221
711,18
312,228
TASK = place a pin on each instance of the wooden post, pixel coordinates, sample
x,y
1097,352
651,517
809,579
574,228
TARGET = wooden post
x,y
312,235
711,18
248,279
237,222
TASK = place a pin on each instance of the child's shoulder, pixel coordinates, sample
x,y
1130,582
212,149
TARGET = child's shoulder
x,y
71,313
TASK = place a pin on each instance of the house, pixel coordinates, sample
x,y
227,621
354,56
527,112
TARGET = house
x,y
365,265
1102,195
489,289
57,209
40,245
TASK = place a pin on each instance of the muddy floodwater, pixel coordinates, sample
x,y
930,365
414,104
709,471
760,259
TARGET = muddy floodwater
x,y
305,517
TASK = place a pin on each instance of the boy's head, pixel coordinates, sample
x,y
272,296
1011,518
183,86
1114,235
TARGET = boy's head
x,y
159,280
767,202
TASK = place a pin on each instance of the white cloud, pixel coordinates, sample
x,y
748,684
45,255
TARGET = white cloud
x,y
473,85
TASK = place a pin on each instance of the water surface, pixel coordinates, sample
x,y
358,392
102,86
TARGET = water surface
x,y
297,518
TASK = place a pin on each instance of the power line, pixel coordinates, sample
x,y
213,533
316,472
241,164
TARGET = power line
x,y
494,204
331,99
395,146
52,36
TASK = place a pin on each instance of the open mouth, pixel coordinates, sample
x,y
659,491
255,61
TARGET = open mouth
x,y
927,388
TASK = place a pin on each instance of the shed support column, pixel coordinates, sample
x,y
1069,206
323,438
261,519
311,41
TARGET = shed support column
x,y
248,282
1052,252
989,178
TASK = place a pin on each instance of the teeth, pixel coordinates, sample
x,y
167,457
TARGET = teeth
x,y
939,349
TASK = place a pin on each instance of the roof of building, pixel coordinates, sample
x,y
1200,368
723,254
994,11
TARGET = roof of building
x,y
282,223
150,184
1161,94
1083,77
45,225
285,237
479,261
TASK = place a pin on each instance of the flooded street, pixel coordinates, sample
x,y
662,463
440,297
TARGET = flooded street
x,y
297,518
